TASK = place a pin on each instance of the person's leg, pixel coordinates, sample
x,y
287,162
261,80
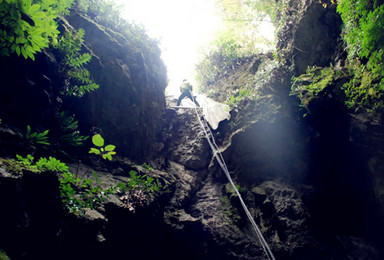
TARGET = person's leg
x,y
197,103
182,96
193,99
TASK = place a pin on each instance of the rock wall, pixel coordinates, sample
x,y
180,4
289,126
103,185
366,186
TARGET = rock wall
x,y
327,159
130,103
127,109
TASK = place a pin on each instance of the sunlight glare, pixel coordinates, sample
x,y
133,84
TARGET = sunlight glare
x,y
183,27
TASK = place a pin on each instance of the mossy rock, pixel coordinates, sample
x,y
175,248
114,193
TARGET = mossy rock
x,y
318,83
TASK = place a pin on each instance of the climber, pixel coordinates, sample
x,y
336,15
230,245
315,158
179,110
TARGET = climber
x,y
186,89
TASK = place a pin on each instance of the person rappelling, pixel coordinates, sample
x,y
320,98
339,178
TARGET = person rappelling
x,y
186,91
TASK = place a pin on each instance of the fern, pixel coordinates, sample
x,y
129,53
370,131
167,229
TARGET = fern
x,y
72,65
69,133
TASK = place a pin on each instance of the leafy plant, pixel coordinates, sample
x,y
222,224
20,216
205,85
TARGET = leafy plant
x,y
105,152
319,82
105,12
29,26
235,99
43,164
69,133
23,163
51,164
34,138
78,79
147,166
229,210
78,194
218,60
138,190
363,23
143,182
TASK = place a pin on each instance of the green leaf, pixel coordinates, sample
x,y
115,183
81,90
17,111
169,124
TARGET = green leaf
x,y
45,133
43,142
24,52
18,51
34,8
98,140
95,151
30,55
109,148
28,131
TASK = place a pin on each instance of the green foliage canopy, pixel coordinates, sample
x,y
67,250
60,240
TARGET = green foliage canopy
x,y
240,39
364,35
29,26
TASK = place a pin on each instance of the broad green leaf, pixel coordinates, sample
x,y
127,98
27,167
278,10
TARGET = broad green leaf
x,y
94,150
98,140
110,147
34,8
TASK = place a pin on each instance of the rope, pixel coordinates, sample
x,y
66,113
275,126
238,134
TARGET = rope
x,y
217,154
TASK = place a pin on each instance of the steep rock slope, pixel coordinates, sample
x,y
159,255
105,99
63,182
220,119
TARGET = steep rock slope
x,y
326,159
127,108
130,103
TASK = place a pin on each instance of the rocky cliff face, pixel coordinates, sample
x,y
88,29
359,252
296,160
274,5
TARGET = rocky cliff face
x,y
126,109
130,103
324,159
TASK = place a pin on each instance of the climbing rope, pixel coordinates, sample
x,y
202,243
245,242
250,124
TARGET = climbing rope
x,y
217,154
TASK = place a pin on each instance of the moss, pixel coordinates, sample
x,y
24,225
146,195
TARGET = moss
x,y
259,190
12,166
316,81
364,90
16,167
229,210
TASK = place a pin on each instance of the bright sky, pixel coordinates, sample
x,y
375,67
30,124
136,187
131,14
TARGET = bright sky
x,y
183,27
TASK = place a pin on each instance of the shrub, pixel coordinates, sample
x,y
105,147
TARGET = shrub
x,y
76,193
29,26
219,60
